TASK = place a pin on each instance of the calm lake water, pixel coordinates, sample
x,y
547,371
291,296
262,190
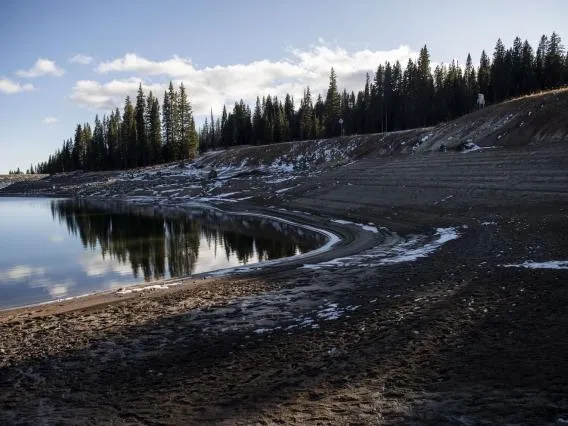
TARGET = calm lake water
x,y
53,248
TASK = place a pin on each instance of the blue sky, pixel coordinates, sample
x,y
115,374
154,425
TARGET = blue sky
x,y
64,61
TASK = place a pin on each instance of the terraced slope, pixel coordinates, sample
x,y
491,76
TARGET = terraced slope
x,y
491,177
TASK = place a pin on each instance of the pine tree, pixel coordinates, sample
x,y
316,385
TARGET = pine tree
x,y
529,80
128,136
484,75
225,135
471,88
318,123
424,88
140,155
257,127
114,140
186,147
517,67
79,148
306,114
554,62
155,133
332,107
213,133
268,120
168,132
290,118
174,123
540,62
98,148
500,74
148,128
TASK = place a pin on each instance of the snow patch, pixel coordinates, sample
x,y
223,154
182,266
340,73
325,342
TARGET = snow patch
x,y
361,225
552,264
396,250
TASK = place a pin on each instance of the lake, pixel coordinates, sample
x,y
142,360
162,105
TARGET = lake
x,y
58,248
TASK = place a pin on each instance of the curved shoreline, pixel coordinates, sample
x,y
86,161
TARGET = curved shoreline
x,y
339,239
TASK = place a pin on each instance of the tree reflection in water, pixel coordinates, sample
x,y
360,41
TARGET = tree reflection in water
x,y
159,243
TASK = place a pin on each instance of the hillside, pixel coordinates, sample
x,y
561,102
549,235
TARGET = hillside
x,y
530,131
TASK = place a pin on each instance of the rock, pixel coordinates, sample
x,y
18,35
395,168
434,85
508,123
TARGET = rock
x,y
212,174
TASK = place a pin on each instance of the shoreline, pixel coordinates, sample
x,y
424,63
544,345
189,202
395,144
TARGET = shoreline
x,y
337,236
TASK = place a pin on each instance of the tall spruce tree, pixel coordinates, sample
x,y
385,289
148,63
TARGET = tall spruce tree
x,y
484,75
500,73
529,80
554,62
128,136
155,133
168,124
332,107
471,88
141,156
540,62
185,147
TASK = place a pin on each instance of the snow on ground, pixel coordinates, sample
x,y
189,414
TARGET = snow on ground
x,y
369,227
552,264
279,191
471,147
395,250
147,288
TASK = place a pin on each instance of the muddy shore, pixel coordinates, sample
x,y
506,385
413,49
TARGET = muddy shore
x,y
453,337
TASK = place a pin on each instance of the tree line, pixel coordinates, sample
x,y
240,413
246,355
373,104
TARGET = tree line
x,y
393,98
144,134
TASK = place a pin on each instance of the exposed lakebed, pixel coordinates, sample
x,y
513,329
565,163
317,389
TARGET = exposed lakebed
x,y
58,248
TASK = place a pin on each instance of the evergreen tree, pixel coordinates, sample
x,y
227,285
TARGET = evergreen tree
x,y
213,133
516,67
148,128
332,107
290,118
257,127
155,132
471,88
424,88
306,116
529,79
539,65
128,136
500,73
554,62
225,135
187,147
140,154
484,75
168,128
79,148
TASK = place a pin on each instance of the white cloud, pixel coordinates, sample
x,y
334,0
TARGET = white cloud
x,y
42,67
95,265
56,290
213,87
20,272
9,87
81,59
105,96
49,120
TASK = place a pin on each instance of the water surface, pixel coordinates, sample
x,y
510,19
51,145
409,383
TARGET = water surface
x,y
55,248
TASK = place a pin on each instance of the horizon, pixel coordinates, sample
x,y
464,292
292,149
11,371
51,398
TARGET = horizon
x,y
50,84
